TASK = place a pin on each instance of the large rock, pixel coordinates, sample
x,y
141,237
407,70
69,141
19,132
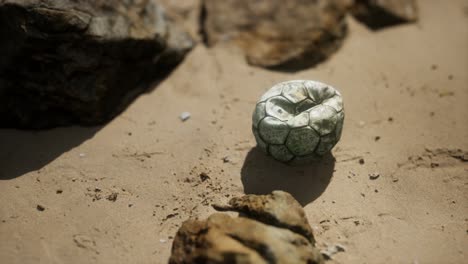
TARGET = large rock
x,y
266,235
377,14
80,61
288,35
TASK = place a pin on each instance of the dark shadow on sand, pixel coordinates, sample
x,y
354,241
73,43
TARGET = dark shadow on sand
x,y
262,175
24,151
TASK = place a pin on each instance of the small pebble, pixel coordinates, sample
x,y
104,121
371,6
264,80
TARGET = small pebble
x,y
374,176
361,161
184,116
40,208
82,155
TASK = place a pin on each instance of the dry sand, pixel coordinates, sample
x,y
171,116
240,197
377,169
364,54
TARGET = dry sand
x,y
118,193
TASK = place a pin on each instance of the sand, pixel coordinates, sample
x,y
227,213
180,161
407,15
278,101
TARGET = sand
x,y
117,193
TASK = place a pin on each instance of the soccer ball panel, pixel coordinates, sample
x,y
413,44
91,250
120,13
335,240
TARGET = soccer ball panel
x,y
339,126
295,92
305,105
260,143
280,108
326,144
335,102
323,119
274,91
258,114
302,141
319,91
301,120
273,131
280,152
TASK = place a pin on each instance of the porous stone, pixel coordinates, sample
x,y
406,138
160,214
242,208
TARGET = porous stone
x,y
81,61
278,34
270,229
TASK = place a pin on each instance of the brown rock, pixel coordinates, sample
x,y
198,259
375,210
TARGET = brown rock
x,y
377,14
278,209
279,34
80,61
224,239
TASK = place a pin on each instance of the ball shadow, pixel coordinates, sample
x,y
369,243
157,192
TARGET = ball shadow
x,y
262,174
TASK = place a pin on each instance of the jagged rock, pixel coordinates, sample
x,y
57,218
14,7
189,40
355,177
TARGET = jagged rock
x,y
278,34
266,235
377,14
80,61
278,208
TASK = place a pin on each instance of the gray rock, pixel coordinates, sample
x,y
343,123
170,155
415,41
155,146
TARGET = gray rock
x,y
278,34
81,61
274,230
378,14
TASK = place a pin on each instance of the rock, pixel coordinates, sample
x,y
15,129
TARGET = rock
x,y
81,61
278,208
252,239
377,14
332,250
278,34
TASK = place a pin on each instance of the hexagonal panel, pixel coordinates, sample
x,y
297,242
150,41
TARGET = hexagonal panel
x,y
305,105
336,102
280,152
273,131
326,144
323,119
259,114
301,120
319,91
280,108
274,91
260,143
294,92
302,141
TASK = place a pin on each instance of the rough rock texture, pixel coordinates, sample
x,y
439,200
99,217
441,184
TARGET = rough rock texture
x,y
80,61
377,14
278,208
268,234
290,35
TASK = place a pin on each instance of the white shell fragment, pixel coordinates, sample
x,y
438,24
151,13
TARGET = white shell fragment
x,y
298,121
184,116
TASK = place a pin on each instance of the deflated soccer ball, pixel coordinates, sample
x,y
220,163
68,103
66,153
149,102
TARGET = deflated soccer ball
x,y
298,121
